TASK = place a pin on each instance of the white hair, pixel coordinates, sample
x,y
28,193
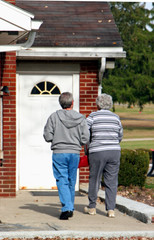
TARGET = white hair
x,y
104,101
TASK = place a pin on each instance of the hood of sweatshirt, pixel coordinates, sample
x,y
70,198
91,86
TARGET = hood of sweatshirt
x,y
70,118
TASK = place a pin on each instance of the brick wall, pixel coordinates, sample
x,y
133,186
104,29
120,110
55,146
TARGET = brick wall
x,y
8,170
88,94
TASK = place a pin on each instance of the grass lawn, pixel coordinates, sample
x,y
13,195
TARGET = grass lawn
x,y
134,110
149,182
138,144
137,125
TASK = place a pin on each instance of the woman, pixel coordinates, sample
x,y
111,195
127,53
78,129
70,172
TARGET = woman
x,y
104,154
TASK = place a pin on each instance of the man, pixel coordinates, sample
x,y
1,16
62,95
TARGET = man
x,y
67,131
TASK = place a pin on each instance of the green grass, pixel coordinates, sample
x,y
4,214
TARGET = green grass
x,y
149,183
137,125
122,108
138,144
149,186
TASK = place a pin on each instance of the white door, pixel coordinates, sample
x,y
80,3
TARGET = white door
x,y
38,98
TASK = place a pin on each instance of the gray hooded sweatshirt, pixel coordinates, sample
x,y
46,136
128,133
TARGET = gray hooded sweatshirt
x,y
67,131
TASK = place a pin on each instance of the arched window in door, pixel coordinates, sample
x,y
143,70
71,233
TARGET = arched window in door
x,y
45,87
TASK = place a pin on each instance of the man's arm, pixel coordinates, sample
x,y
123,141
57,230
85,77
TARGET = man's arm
x,y
48,130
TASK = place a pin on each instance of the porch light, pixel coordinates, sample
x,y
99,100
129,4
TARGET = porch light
x,y
4,89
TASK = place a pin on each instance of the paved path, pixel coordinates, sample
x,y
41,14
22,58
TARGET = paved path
x,y
136,119
137,139
36,213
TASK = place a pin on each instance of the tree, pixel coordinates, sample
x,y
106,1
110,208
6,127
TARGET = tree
x,y
132,80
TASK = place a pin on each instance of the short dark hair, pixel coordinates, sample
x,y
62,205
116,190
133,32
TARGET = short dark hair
x,y
65,100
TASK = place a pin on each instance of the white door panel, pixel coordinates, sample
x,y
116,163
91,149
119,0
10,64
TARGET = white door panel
x,y
35,156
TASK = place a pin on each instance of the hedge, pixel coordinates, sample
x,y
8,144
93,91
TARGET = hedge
x,y
134,166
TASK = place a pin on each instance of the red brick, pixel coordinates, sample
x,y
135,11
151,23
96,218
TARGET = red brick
x,y
82,177
4,194
8,171
88,85
84,173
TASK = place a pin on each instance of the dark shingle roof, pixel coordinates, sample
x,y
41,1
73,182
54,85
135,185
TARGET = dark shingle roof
x,y
73,23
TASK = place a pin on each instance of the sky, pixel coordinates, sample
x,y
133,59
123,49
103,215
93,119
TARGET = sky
x,y
149,5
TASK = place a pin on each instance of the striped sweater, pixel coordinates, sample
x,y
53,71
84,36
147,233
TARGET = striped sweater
x,y
106,131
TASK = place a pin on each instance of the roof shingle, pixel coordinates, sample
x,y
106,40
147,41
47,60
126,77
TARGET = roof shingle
x,y
73,23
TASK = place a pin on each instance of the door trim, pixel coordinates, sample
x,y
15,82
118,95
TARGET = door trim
x,y
76,87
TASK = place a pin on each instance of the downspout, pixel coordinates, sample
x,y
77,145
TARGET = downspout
x,y
1,107
1,155
101,73
29,42
31,37
3,89
1,134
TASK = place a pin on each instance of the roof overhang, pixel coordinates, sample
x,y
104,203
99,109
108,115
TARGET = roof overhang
x,y
13,18
68,53
54,52
106,56
14,24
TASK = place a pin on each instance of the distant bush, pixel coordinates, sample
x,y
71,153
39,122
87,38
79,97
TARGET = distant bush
x,y
133,167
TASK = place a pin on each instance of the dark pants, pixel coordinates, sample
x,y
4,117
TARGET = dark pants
x,y
105,163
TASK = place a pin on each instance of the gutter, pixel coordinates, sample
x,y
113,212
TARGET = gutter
x,y
27,44
71,53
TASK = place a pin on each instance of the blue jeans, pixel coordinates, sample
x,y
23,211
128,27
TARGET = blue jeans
x,y
65,167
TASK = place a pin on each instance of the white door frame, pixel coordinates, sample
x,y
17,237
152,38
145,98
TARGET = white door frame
x,y
75,77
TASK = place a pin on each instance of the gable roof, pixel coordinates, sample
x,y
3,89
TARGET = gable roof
x,y
73,23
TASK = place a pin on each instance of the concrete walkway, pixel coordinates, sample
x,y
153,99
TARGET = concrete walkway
x,y
137,139
36,214
138,210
